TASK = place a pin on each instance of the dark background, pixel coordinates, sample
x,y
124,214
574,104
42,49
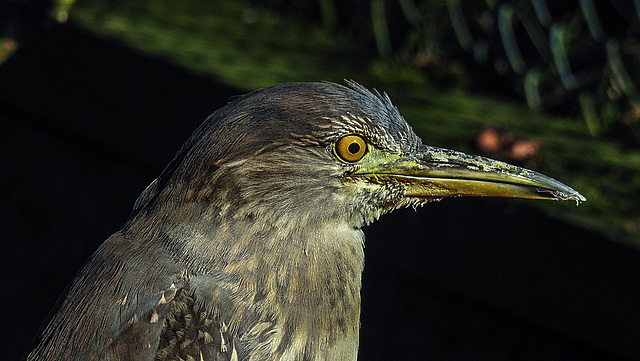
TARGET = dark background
x,y
86,123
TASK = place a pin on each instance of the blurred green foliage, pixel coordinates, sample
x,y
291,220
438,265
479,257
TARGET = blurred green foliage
x,y
554,54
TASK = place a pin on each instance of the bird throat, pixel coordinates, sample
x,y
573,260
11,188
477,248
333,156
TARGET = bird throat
x,y
293,288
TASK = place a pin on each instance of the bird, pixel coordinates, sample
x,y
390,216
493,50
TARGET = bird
x,y
249,245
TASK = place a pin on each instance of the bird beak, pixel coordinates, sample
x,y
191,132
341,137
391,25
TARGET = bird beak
x,y
434,172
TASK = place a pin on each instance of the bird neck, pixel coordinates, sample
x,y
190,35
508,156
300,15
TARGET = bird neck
x,y
305,276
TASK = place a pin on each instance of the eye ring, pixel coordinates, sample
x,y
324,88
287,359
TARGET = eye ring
x,y
350,148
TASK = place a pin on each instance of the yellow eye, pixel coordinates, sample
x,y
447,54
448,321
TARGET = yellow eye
x,y
351,148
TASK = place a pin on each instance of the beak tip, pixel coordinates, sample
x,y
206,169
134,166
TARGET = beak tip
x,y
572,195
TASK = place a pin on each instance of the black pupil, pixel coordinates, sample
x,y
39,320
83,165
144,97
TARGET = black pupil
x,y
353,148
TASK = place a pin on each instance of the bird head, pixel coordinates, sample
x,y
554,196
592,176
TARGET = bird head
x,y
313,152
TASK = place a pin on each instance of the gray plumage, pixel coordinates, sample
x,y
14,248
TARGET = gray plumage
x,y
249,245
